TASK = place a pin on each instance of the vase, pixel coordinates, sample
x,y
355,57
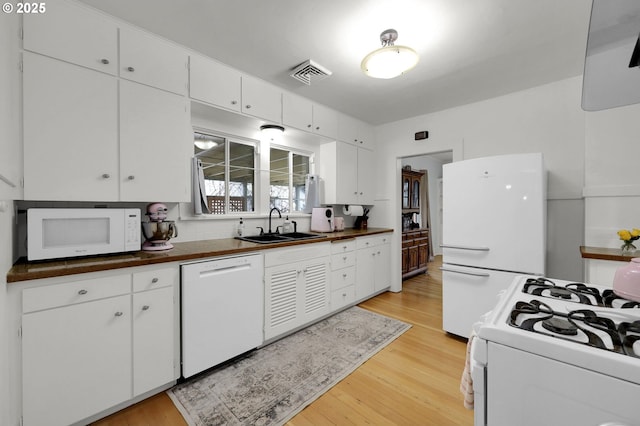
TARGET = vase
x,y
628,249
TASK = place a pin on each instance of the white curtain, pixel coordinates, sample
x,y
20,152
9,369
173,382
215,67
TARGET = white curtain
x,y
199,194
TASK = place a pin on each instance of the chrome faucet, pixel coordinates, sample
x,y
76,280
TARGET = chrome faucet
x,y
270,213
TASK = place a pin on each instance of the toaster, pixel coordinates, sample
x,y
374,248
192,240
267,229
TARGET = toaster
x,y
322,219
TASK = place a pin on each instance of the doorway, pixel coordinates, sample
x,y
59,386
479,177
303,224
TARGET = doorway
x,y
423,218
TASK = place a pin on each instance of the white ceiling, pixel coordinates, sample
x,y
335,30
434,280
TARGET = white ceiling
x,y
469,50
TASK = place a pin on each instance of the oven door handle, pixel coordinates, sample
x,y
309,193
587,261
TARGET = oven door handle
x,y
465,247
475,274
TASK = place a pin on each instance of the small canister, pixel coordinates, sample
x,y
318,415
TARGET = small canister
x,y
626,281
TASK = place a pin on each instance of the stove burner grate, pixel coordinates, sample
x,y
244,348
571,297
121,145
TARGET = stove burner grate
x,y
592,327
576,292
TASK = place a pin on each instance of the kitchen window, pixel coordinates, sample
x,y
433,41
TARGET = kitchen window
x,y
287,174
229,169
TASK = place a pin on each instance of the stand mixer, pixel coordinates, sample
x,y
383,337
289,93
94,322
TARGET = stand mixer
x,y
158,231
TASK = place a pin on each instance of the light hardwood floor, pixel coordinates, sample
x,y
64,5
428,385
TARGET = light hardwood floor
x,y
413,381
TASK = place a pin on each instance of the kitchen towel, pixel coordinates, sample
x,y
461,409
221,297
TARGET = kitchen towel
x,y
352,210
466,383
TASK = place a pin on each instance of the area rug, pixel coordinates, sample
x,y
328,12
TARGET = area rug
x,y
270,385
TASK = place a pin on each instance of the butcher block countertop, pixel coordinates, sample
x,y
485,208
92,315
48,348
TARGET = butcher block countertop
x,y
23,270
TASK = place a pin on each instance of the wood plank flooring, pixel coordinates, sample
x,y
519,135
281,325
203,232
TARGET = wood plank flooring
x,y
413,381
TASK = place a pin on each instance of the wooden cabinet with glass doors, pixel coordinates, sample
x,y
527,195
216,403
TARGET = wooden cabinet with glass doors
x,y
411,190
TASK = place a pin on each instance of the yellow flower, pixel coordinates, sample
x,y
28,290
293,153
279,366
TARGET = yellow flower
x,y
624,235
635,232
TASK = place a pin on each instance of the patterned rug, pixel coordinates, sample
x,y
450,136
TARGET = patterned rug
x,y
270,385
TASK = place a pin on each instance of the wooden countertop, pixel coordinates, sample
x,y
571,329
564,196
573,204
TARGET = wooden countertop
x,y
606,254
23,270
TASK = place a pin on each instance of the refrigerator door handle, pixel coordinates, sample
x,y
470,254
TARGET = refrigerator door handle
x,y
475,274
465,247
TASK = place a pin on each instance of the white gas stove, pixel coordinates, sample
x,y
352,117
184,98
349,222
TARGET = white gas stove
x,y
553,352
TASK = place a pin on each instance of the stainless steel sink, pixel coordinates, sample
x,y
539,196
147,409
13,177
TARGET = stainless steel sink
x,y
279,238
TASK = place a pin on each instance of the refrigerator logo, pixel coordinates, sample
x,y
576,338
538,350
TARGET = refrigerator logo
x,y
486,175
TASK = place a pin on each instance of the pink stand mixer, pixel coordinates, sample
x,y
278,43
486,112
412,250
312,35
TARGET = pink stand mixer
x,y
158,231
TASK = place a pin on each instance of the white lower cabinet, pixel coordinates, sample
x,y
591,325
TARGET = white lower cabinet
x,y
343,271
373,272
92,342
297,287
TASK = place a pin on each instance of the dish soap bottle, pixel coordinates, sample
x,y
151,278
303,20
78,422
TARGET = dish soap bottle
x,y
240,228
286,226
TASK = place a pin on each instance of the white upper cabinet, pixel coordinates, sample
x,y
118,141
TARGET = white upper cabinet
x,y
150,60
214,83
347,173
70,132
325,121
303,114
355,132
74,34
155,144
261,99
297,112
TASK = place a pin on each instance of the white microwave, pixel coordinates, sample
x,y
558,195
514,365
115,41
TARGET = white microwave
x,y
60,233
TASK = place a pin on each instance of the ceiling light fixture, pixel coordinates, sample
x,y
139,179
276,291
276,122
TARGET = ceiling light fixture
x,y
204,142
389,61
272,132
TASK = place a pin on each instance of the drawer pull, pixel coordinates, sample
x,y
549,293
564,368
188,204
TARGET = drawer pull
x,y
106,175
344,258
234,102
118,314
344,294
145,308
105,61
83,291
344,275
131,69
153,281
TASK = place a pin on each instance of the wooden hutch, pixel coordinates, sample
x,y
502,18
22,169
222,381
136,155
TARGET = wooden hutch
x,y
415,241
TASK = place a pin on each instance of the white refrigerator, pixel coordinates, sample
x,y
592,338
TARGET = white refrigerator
x,y
494,228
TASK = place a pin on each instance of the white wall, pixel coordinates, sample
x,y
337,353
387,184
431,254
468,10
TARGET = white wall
x,y
10,168
545,119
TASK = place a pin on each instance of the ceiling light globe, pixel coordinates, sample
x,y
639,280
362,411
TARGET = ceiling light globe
x,y
389,62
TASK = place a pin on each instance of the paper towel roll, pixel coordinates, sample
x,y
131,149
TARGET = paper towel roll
x,y
352,210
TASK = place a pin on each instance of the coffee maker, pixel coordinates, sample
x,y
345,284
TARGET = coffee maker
x,y
158,230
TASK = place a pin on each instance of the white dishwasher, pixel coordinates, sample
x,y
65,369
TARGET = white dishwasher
x,y
222,310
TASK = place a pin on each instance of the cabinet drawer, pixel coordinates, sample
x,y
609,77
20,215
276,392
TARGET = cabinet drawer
x,y
343,260
365,242
55,295
343,297
297,254
155,278
343,246
343,278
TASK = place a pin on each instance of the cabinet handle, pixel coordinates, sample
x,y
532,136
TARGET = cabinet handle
x,y
118,314
308,126
131,177
344,275
344,258
361,193
145,308
82,292
131,69
153,281
355,193
106,175
248,106
234,102
344,294
360,141
104,61
318,128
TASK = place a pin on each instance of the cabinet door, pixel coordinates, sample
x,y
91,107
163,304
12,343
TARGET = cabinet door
x,y
365,176
382,270
325,121
346,174
261,99
317,290
406,186
365,272
74,34
297,112
281,300
70,132
150,60
153,340
154,144
214,83
76,361
415,192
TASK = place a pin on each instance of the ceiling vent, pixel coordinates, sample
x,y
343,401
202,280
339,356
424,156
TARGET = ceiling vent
x,y
310,71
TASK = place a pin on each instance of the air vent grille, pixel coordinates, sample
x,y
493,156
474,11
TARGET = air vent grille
x,y
310,71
